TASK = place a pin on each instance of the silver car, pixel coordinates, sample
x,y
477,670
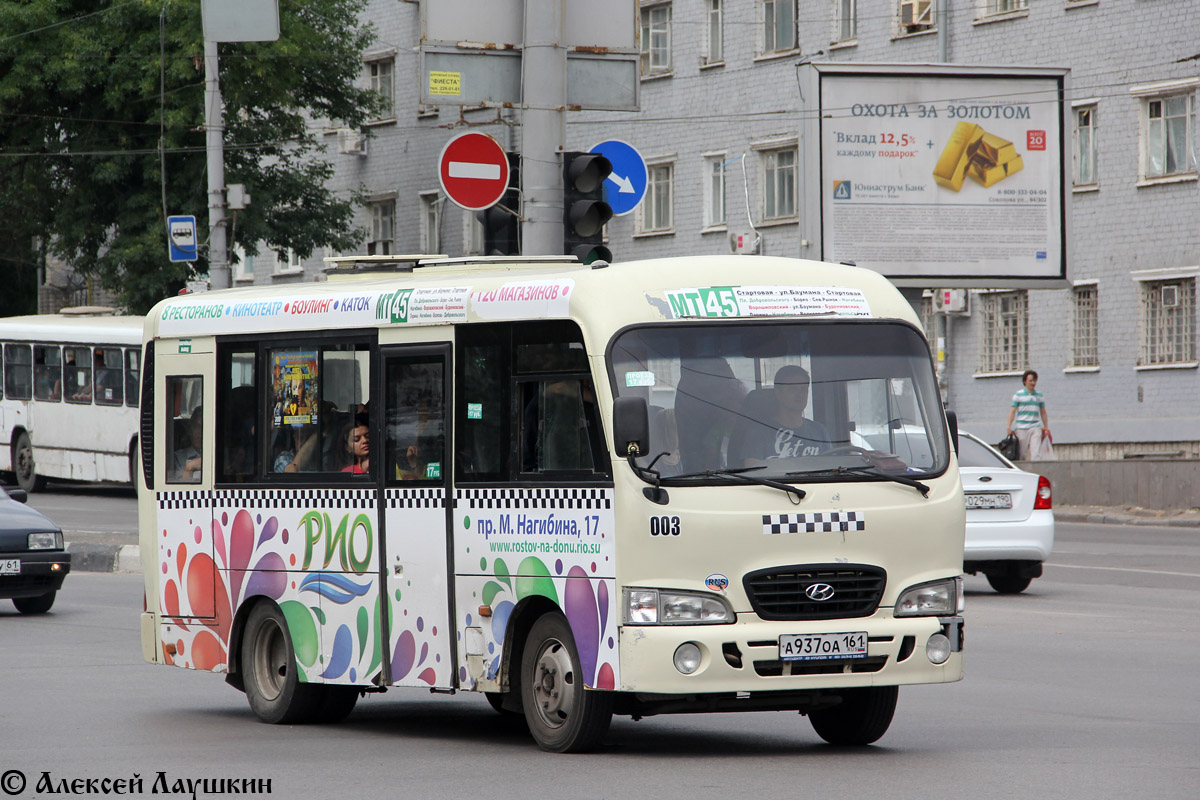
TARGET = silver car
x,y
1010,521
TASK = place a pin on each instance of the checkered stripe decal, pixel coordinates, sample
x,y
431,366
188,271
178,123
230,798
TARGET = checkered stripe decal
x,y
535,498
192,498
415,498
825,522
268,498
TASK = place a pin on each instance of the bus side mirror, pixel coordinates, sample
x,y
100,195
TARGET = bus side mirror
x,y
631,426
952,421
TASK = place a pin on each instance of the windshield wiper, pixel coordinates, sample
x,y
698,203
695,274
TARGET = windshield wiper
x,y
865,469
738,473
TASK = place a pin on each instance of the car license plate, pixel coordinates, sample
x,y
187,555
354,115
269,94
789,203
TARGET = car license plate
x,y
822,646
10,566
994,500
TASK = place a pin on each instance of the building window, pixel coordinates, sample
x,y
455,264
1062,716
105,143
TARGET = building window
x,y
656,39
716,46
779,26
1005,331
993,7
243,268
383,82
929,320
383,225
916,15
847,20
714,191
431,223
1167,322
1169,136
779,183
656,213
1085,145
1085,345
473,238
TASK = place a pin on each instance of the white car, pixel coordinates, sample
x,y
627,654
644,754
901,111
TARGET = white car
x,y
1010,524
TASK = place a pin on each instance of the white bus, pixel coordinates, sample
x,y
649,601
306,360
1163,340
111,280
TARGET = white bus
x,y
683,485
70,396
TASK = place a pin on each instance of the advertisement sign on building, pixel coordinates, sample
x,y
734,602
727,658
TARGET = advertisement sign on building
x,y
953,176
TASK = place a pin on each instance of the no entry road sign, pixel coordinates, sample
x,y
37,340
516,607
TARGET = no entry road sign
x,y
473,170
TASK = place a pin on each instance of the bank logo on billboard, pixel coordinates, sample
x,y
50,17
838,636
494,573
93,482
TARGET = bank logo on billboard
x,y
841,190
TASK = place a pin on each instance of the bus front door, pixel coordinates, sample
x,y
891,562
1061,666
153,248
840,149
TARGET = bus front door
x,y
417,515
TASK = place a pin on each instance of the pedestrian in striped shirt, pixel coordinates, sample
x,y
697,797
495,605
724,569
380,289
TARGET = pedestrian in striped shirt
x,y
1027,417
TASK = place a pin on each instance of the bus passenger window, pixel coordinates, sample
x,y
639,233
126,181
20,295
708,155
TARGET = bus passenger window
x,y
18,372
77,374
133,358
110,386
414,421
47,373
559,426
237,415
185,429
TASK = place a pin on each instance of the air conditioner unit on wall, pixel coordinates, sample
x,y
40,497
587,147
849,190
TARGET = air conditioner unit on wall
x,y
952,301
916,12
351,142
742,244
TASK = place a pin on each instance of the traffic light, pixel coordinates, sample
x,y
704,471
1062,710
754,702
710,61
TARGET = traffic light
x,y
501,227
584,209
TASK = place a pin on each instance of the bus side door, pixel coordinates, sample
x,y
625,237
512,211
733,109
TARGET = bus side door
x,y
417,515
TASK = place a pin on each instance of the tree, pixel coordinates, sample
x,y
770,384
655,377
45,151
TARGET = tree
x,y
90,88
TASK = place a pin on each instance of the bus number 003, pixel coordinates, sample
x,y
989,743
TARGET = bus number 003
x,y
664,526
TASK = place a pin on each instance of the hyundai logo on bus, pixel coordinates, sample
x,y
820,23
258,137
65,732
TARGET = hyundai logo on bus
x,y
819,592
181,238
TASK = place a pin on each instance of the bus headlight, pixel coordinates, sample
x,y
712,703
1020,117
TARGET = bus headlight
x,y
50,540
655,607
936,598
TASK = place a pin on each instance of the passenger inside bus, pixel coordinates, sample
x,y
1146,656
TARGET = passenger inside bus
x,y
186,462
774,424
357,441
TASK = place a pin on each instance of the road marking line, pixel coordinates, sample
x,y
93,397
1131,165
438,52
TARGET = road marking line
x,y
1129,569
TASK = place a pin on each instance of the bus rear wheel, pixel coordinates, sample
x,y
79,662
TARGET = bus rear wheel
x,y
23,466
269,670
563,716
861,718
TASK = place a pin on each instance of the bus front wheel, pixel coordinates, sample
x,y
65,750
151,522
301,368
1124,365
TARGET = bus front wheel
x,y
23,466
269,671
563,716
861,718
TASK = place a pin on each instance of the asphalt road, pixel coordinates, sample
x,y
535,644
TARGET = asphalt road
x,y
1083,687
93,513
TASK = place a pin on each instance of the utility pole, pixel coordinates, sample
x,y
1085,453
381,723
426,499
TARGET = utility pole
x,y
543,131
214,129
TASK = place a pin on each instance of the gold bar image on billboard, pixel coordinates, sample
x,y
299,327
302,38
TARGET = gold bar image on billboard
x,y
952,165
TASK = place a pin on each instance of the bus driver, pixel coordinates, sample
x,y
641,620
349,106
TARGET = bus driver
x,y
786,433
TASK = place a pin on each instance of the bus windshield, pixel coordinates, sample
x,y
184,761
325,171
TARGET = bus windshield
x,y
790,401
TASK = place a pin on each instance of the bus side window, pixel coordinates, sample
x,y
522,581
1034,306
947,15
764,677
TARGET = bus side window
x,y
133,358
47,372
110,385
185,429
77,374
18,371
238,415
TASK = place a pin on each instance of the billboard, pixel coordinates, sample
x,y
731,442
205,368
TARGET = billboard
x,y
936,175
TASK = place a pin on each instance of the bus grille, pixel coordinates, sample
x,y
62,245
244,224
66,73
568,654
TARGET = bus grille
x,y
778,593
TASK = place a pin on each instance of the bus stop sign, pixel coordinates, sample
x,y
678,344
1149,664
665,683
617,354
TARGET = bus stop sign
x,y
181,238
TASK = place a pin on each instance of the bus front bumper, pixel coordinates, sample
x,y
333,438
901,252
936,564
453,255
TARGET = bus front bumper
x,y
745,657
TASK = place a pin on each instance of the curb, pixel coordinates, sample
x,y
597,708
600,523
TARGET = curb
x,y
87,557
1103,518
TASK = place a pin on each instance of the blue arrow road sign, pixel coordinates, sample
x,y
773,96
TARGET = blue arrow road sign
x,y
181,238
626,186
